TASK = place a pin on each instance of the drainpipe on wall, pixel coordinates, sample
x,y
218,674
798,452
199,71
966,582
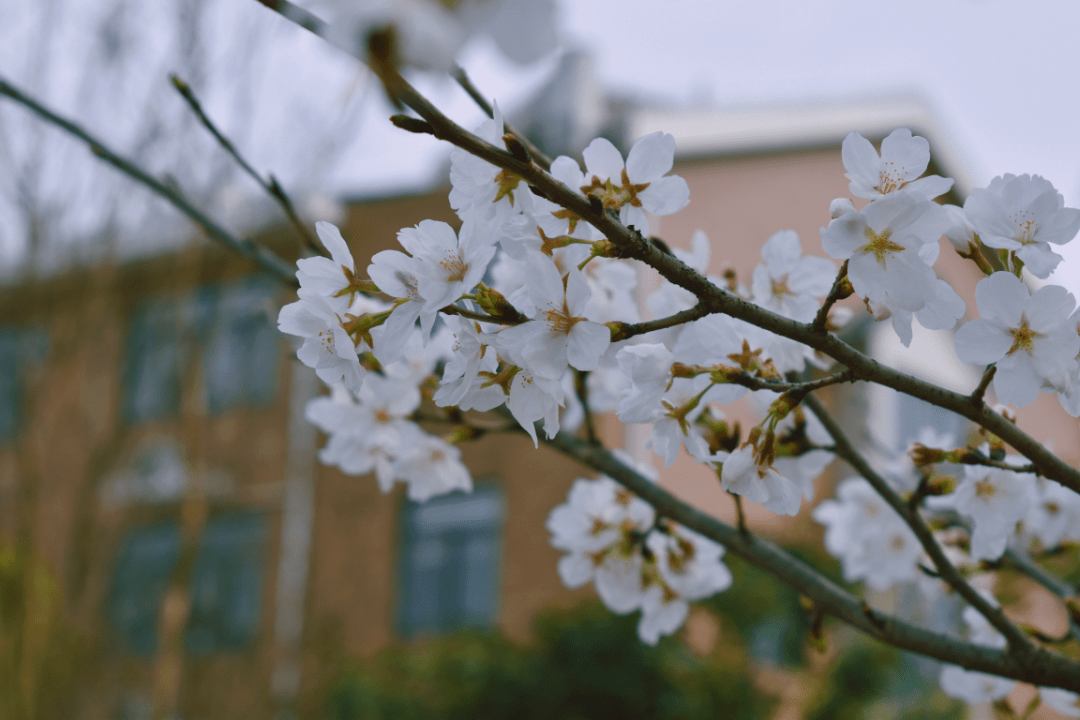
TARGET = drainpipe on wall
x,y
294,558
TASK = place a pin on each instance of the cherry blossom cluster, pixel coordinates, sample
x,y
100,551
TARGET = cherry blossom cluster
x,y
529,306
614,539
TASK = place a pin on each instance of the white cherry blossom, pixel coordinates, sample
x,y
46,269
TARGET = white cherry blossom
x,y
789,283
450,263
873,542
1054,515
1023,214
1029,336
641,185
327,347
395,274
432,467
648,366
742,475
973,687
888,246
560,335
904,158
328,277
994,501
1061,701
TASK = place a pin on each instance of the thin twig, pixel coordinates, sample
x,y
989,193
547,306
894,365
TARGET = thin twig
x,y
581,381
1019,643
272,186
977,396
798,388
478,97
716,299
821,320
623,331
1022,562
263,256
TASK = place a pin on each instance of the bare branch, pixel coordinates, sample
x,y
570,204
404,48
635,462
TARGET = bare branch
x,y
623,331
984,383
272,186
1019,643
478,97
821,320
261,255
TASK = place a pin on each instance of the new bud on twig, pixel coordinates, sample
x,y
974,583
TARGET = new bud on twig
x,y
516,148
491,301
922,455
413,125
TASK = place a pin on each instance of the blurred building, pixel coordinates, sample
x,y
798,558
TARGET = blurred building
x,y
155,460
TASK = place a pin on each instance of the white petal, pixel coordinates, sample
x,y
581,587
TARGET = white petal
x,y
651,158
603,160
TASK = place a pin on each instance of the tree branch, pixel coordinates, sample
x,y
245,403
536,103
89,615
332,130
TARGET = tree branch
x,y
1048,669
264,257
478,97
1022,562
624,331
272,187
716,299
821,320
1020,644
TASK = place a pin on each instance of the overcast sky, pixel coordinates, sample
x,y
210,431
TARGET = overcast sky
x,y
1000,75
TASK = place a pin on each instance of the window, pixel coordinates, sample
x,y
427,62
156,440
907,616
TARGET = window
x,y
450,562
20,350
235,327
243,348
226,585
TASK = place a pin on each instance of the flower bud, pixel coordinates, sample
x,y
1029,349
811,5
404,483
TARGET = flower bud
x,y
922,455
841,206
941,485
491,301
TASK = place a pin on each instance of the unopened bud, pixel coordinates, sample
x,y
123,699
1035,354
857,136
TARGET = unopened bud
x,y
783,405
941,485
516,148
684,371
491,301
731,279
845,290
922,455
463,433
840,207
722,374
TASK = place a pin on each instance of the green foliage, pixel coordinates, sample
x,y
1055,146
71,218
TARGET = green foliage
x,y
39,651
871,679
585,664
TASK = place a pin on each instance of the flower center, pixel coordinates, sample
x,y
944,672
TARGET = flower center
x,y
1023,337
1026,227
780,288
560,320
880,245
455,267
890,178
614,197
507,182
985,489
